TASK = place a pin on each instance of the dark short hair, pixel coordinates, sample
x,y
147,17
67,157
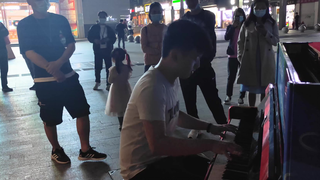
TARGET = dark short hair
x,y
185,36
102,12
121,20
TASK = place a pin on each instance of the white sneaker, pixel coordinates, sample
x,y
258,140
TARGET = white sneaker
x,y
193,134
96,86
240,101
227,101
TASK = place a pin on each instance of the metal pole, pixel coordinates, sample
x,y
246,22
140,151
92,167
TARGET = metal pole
x,y
282,14
181,8
318,20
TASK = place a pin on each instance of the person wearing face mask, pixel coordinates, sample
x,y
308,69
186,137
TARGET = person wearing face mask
x,y
151,36
102,37
255,53
205,76
57,84
231,35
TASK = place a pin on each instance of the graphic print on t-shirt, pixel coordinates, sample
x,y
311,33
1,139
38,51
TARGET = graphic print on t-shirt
x,y
171,118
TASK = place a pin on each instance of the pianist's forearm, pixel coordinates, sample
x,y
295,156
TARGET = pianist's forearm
x,y
188,122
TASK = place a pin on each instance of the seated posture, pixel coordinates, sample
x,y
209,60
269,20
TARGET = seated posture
x,y
148,149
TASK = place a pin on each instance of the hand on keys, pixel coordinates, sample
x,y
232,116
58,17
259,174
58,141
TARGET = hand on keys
x,y
227,149
220,129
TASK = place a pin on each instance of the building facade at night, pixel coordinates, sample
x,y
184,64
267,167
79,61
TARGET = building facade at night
x,y
12,11
223,9
81,14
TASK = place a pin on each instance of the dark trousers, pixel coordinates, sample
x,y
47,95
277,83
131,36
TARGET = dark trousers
x,y
233,65
100,56
175,168
296,24
121,38
205,78
30,65
4,68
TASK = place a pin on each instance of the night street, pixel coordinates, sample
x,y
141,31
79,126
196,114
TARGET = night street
x,y
25,151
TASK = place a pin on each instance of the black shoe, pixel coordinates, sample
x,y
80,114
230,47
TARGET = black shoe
x,y
7,89
60,156
33,88
91,155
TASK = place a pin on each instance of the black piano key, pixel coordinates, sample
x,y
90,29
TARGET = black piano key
x,y
235,175
238,167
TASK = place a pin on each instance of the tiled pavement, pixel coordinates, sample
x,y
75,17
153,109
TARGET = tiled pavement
x,y
24,149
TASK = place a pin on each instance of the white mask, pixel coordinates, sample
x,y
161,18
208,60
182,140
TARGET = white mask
x,y
102,20
41,6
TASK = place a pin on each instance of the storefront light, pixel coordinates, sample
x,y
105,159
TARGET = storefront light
x,y
234,8
11,7
232,2
222,9
166,6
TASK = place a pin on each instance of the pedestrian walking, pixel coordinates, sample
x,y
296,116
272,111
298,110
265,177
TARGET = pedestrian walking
x,y
120,89
231,35
57,84
255,53
152,35
205,76
148,148
120,30
102,37
296,21
4,59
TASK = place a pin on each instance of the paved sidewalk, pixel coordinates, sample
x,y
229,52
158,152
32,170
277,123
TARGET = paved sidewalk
x,y
25,150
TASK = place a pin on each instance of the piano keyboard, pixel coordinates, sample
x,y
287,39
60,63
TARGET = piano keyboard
x,y
221,161
239,167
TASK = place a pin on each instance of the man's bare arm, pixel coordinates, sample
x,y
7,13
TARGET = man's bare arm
x,y
188,122
162,145
37,59
55,66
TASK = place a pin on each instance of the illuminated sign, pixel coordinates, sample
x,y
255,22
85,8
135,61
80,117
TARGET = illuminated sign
x,y
139,9
177,4
147,8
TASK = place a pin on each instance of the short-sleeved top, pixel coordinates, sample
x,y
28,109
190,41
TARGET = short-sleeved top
x,y
47,37
153,99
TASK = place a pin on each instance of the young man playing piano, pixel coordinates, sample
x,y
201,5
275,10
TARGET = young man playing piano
x,y
147,148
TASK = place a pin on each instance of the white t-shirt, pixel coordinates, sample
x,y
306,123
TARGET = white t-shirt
x,y
152,99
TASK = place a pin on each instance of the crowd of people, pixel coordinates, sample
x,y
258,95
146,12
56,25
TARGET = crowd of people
x,y
176,56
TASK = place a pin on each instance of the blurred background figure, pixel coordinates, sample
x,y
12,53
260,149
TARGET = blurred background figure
x,y
151,36
231,35
120,30
4,58
255,53
102,37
